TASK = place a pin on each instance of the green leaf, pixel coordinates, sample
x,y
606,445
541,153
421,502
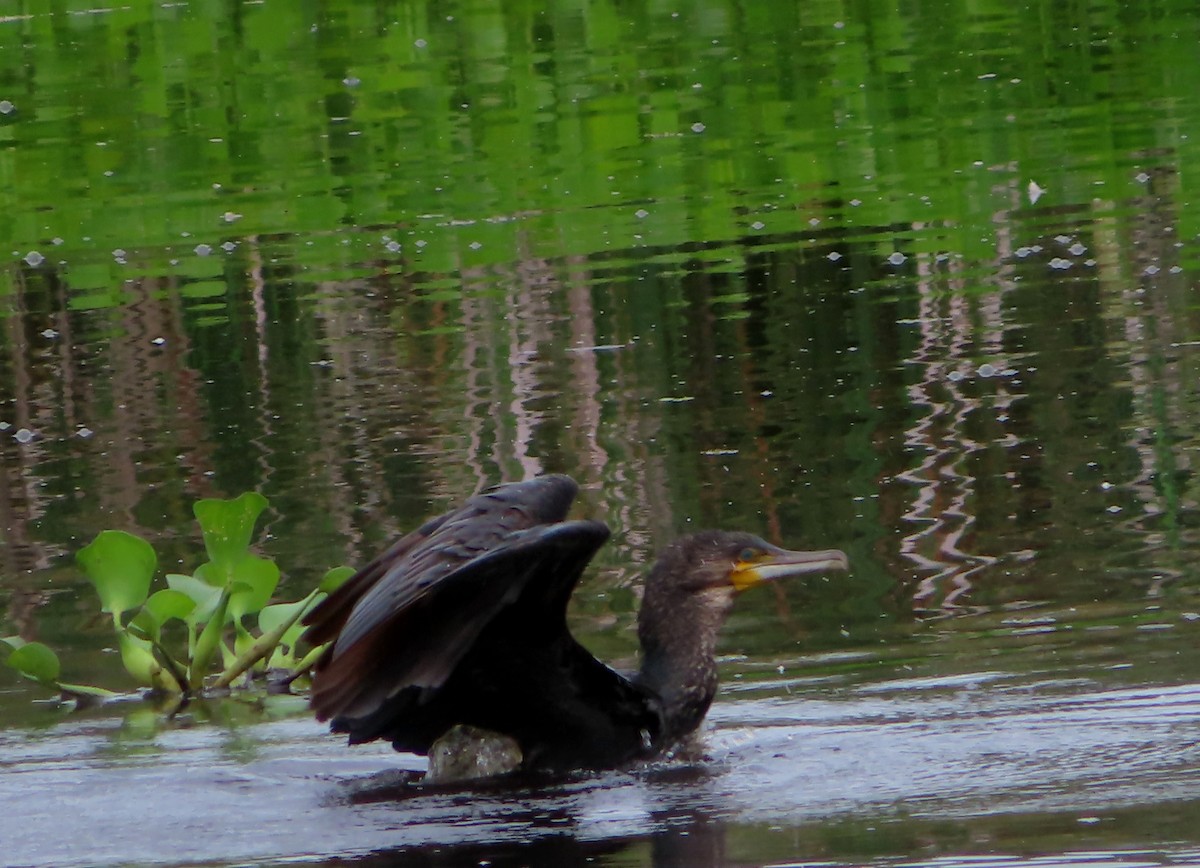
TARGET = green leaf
x,y
227,526
162,606
200,592
281,658
138,656
335,578
209,640
309,660
211,575
144,625
283,620
253,581
170,603
242,640
272,616
120,566
37,661
275,622
75,690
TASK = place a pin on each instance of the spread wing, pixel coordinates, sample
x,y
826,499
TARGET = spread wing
x,y
463,622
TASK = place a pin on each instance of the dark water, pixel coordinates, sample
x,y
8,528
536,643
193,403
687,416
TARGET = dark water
x,y
905,765
917,283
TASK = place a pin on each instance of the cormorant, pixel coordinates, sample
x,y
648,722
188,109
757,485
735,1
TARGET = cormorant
x,y
463,623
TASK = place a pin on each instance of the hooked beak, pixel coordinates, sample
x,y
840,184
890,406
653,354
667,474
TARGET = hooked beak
x,y
779,563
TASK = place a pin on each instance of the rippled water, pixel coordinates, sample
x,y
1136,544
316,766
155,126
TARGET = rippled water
x,y
907,764
917,283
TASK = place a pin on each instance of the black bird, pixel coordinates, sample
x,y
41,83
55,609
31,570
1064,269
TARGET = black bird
x,y
463,622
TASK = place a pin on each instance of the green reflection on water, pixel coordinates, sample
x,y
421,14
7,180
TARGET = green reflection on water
x,y
127,130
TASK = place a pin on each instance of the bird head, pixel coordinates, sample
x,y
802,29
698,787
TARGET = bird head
x,y
698,576
736,561
689,593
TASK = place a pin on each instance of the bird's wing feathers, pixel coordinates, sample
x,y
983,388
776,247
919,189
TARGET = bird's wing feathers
x,y
437,546
407,619
325,621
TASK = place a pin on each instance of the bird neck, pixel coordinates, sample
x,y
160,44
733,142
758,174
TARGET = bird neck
x,y
678,634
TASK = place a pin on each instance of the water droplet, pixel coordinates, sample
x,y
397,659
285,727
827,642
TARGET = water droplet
x,y
1141,177
834,256
6,107
987,370
231,216
34,259
203,249
49,334
641,214
24,435
697,127
758,224
897,258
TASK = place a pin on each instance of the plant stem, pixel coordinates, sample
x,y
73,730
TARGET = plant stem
x,y
262,646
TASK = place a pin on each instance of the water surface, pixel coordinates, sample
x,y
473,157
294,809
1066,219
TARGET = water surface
x,y
920,284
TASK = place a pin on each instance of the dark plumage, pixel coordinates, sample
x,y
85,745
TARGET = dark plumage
x,y
463,622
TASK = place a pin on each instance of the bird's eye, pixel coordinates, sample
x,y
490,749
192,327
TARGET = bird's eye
x,y
749,553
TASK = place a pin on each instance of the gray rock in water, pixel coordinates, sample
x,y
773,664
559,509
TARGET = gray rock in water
x,y
467,753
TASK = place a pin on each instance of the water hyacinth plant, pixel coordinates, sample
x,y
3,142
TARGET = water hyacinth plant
x,y
230,629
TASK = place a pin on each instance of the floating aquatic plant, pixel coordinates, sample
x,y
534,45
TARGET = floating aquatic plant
x,y
230,629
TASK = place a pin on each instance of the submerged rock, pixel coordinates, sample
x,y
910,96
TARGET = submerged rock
x,y
467,753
